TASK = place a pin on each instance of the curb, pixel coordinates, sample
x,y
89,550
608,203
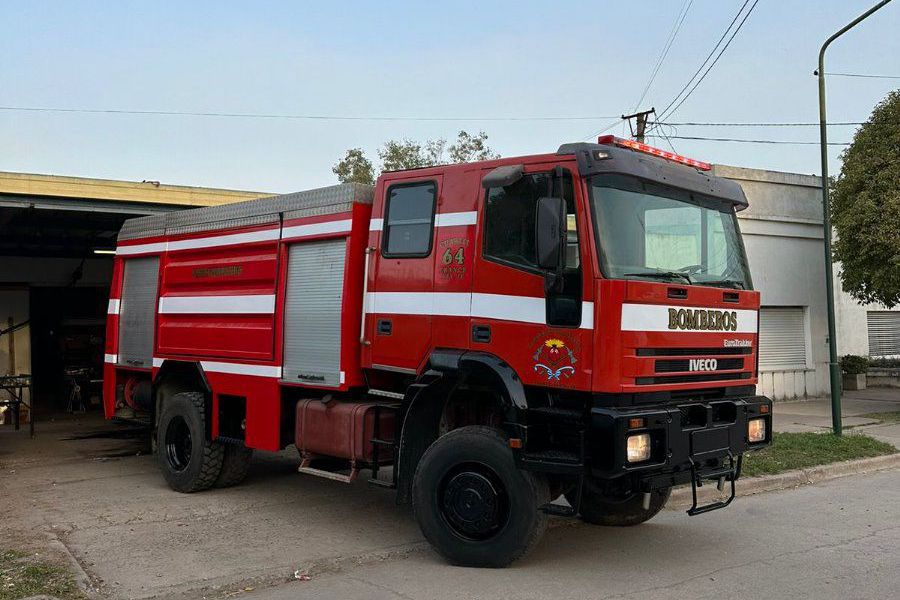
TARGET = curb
x,y
681,497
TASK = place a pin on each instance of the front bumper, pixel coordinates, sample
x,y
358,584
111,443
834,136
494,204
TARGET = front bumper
x,y
689,441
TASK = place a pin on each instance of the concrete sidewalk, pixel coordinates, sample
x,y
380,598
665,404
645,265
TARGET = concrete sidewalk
x,y
815,415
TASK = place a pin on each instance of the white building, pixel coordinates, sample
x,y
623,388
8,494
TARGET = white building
x,y
783,235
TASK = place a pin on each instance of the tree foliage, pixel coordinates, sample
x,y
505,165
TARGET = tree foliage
x,y
469,148
865,204
354,168
397,155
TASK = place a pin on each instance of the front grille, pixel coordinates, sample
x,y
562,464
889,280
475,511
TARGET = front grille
x,y
684,364
730,351
709,376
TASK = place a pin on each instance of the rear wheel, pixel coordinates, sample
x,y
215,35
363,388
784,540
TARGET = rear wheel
x,y
189,461
235,464
619,511
472,503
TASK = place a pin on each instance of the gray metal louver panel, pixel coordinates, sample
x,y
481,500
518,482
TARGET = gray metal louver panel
x,y
884,332
320,201
312,312
152,225
137,311
782,338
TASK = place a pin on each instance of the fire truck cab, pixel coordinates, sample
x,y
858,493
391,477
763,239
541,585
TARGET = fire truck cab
x,y
485,338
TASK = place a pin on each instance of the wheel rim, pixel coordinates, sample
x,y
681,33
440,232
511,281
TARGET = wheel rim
x,y
178,444
473,502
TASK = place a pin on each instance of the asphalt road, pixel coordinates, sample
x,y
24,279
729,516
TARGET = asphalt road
x,y
839,539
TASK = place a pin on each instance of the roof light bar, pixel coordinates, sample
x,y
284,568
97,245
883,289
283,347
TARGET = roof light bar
x,y
611,140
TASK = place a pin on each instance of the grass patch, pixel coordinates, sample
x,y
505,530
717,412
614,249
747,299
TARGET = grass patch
x,y
23,575
791,451
885,417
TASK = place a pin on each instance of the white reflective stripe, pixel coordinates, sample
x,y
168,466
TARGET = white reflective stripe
x,y
241,369
231,239
204,242
113,308
655,317
295,231
525,309
229,367
342,377
440,220
217,305
509,308
155,247
111,358
419,303
455,218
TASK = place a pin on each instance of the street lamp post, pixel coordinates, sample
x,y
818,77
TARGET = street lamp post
x,y
833,366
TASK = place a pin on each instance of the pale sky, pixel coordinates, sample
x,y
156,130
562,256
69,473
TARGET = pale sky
x,y
410,59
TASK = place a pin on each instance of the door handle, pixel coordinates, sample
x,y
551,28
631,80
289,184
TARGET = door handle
x,y
481,333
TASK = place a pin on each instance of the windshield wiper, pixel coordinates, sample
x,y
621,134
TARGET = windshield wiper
x,y
669,275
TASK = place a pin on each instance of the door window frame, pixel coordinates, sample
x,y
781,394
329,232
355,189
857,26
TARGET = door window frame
x,y
386,228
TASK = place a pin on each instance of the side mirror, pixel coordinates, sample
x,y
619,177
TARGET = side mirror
x,y
550,233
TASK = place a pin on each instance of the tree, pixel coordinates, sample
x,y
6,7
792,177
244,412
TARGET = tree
x,y
407,154
469,148
865,204
354,168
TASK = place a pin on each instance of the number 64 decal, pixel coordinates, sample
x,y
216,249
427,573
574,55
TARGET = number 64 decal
x,y
449,256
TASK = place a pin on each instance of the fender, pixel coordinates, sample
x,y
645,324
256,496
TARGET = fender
x,y
177,376
424,404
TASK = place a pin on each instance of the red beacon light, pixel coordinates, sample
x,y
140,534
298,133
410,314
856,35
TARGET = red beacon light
x,y
611,140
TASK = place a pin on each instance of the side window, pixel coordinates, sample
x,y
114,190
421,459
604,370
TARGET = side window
x,y
509,220
409,219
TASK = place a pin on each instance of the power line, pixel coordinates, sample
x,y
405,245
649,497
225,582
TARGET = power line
x,y
676,27
670,111
744,124
864,75
747,141
605,129
180,113
707,59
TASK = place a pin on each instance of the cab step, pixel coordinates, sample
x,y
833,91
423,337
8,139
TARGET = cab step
x,y
557,461
555,413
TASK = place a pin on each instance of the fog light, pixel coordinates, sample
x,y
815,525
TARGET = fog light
x,y
638,447
756,430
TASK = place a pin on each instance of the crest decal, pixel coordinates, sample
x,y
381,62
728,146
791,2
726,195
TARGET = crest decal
x,y
554,359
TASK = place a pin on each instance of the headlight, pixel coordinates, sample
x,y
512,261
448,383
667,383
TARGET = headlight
x,y
637,447
756,430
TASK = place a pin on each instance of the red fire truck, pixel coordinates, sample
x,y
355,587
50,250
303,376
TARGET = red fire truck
x,y
484,338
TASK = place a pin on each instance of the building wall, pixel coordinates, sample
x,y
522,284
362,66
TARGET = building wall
x,y
783,234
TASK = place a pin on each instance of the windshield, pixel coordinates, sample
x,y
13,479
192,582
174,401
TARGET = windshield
x,y
650,231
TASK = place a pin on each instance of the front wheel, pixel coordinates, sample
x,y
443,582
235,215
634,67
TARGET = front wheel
x,y
472,503
598,508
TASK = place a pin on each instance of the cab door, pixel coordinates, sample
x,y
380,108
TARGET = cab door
x,y
400,299
544,333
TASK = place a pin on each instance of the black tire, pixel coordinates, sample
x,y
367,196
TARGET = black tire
x,y
189,461
235,464
624,511
472,503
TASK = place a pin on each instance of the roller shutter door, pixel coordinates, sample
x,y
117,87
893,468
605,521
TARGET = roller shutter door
x,y
782,338
137,312
312,313
884,332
